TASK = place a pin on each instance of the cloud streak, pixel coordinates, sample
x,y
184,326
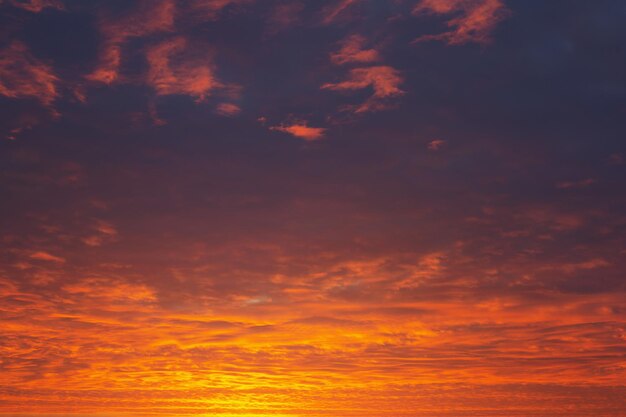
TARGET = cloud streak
x,y
301,130
352,51
384,80
477,19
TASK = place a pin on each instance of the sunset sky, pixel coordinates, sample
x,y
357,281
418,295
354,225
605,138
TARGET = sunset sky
x,y
313,208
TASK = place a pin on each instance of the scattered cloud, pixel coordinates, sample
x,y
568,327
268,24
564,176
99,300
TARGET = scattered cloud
x,y
384,80
301,130
228,109
147,18
470,21
171,71
210,9
45,256
37,6
353,51
436,144
24,76
337,10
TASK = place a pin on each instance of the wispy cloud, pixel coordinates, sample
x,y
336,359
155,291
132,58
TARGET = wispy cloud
x,y
147,18
37,6
22,75
384,80
172,72
337,10
575,184
470,20
353,51
45,256
210,9
436,144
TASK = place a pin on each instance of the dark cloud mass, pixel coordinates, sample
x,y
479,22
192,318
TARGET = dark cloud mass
x,y
312,208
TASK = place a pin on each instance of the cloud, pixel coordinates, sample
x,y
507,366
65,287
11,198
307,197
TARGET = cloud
x,y
474,21
436,144
211,8
107,70
575,184
333,12
45,256
384,80
24,76
104,232
147,18
352,51
110,290
37,6
228,109
301,130
172,72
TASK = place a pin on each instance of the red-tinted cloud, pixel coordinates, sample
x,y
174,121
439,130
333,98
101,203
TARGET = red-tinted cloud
x,y
149,17
337,10
210,9
471,20
228,109
384,80
45,256
436,144
171,72
24,76
353,51
301,130
576,184
37,6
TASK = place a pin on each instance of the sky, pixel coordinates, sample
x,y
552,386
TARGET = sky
x,y
312,208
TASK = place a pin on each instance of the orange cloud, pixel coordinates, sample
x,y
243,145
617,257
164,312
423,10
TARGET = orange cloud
x,y
24,76
384,80
148,18
477,19
301,130
170,72
352,51
105,232
111,291
45,256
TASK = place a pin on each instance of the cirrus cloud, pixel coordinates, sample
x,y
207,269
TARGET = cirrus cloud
x,y
22,75
383,80
473,20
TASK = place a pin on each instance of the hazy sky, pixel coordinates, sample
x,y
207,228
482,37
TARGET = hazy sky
x,y
324,208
